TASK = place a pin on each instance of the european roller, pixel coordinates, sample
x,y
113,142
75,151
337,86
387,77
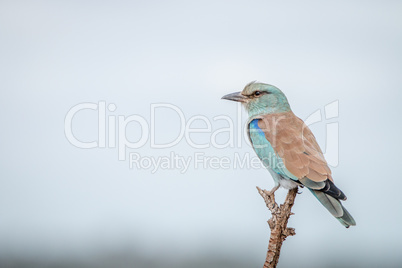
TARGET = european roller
x,y
288,148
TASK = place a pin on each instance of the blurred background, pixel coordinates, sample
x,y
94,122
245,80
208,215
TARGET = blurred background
x,y
62,206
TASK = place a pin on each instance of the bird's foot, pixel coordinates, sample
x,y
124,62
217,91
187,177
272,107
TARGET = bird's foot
x,y
299,191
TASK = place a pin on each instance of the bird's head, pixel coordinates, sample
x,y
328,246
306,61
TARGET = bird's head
x,y
259,98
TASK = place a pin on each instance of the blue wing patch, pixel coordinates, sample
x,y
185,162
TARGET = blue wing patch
x,y
266,152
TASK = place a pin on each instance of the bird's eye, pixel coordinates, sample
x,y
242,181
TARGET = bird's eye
x,y
257,93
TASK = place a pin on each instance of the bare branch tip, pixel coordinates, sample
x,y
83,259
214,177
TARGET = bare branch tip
x,y
278,223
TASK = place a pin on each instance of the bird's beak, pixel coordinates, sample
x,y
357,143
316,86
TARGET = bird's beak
x,y
237,96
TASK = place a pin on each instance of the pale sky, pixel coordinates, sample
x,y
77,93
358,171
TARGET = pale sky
x,y
62,203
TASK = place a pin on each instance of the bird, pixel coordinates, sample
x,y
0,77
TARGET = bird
x,y
288,148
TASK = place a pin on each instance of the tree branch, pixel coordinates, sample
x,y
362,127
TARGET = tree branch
x,y
278,224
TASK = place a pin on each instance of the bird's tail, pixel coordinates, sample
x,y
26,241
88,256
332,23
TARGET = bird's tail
x,y
335,207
